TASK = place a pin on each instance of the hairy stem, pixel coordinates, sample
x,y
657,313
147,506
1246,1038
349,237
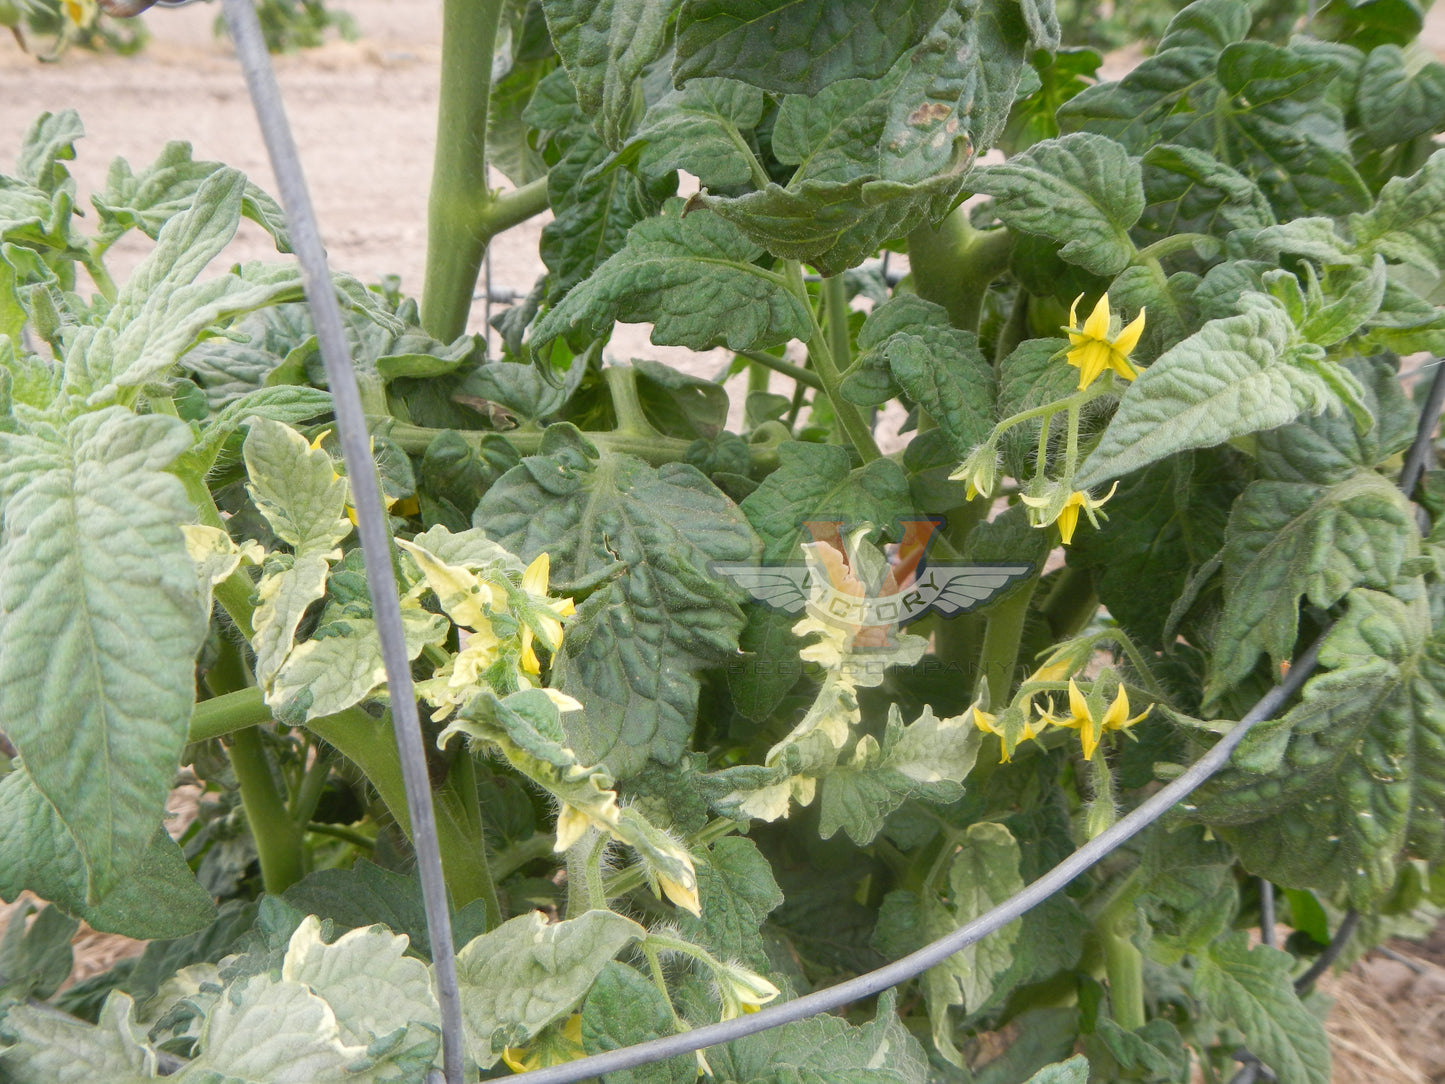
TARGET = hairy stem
x,y
456,233
1123,962
794,372
1072,603
277,836
1001,641
656,450
821,348
954,264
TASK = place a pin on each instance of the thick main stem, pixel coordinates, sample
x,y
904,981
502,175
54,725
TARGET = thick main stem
x,y
954,264
278,838
456,228
1001,642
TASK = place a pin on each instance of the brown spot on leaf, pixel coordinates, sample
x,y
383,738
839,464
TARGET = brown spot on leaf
x,y
928,113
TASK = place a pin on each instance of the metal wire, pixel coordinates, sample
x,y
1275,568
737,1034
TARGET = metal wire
x,y
835,997
366,497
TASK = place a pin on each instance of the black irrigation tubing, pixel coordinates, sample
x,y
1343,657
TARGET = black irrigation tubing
x,y
1331,953
1150,810
366,496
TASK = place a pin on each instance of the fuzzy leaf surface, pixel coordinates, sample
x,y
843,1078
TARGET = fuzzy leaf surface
x,y
632,658
103,619
1251,988
1233,377
1083,191
694,279
527,973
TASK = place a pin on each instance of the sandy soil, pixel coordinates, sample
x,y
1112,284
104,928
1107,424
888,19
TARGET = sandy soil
x,y
363,114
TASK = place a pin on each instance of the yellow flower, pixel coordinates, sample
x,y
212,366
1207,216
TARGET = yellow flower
x,y
989,724
742,990
555,1046
1091,730
545,620
979,470
1067,515
1091,349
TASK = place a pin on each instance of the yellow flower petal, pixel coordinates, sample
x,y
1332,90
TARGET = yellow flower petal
x,y
1069,519
1078,706
1129,338
1097,325
534,580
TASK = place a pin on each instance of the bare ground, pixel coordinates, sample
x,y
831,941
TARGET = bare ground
x,y
363,114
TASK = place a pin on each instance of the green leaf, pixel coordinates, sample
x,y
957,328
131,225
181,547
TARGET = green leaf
x,y
1256,107
341,664
270,1031
167,188
1407,224
1189,895
161,312
1396,103
1164,523
737,890
632,659
593,208
372,986
1190,191
1251,989
700,129
625,1009
296,488
928,758
103,619
983,872
527,973
283,595
48,141
679,404
286,404
35,957
53,1048
1233,377
1328,796
940,367
367,894
157,895
694,279
1154,1052
797,46
605,46
1288,540
1083,191
877,157
1073,1071
826,1048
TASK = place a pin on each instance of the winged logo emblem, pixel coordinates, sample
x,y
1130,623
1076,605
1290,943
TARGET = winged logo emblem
x,y
911,589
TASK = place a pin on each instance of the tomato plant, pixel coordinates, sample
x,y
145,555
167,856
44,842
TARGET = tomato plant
x,y
721,716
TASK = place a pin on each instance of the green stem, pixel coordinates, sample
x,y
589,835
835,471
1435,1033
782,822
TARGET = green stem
x,y
1001,642
954,264
579,891
343,833
626,406
820,349
504,210
509,860
959,639
100,274
1123,962
1072,603
1179,242
458,206
778,365
370,744
463,841
1015,331
313,784
656,450
225,714
278,838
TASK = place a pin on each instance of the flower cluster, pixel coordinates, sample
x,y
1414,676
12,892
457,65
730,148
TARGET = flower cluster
x,y
1096,347
499,622
1087,715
